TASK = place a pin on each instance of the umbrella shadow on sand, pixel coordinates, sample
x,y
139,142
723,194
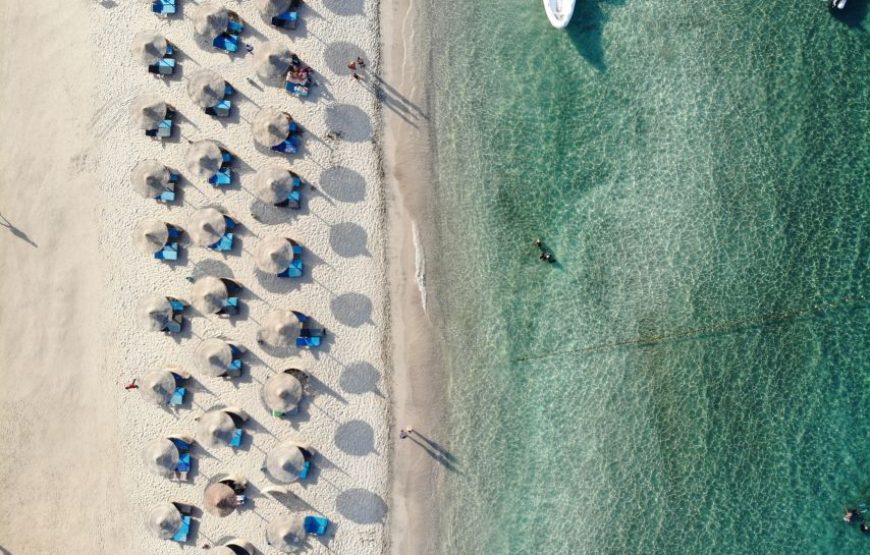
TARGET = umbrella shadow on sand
x,y
17,232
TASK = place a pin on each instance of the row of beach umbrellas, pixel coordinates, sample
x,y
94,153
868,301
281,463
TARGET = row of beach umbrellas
x,y
283,391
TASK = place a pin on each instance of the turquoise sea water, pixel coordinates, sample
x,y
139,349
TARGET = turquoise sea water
x,y
701,170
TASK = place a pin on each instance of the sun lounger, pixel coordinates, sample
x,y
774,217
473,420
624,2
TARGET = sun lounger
x,y
177,306
174,177
290,145
181,535
288,19
236,440
221,109
228,90
165,129
226,42
174,232
173,327
307,342
166,66
297,89
236,26
291,272
316,525
225,244
177,397
166,196
163,7
168,252
236,364
222,178
304,472
226,159
277,413
180,444
230,307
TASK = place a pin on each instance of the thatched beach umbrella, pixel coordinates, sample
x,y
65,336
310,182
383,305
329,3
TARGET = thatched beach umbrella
x,y
286,533
214,356
210,20
147,111
204,159
157,386
274,255
235,546
219,499
285,462
271,8
209,294
155,312
279,329
206,88
161,457
150,178
151,235
206,226
272,62
149,47
215,427
164,520
273,184
282,392
270,127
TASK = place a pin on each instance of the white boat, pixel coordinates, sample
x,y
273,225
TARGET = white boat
x,y
839,4
559,12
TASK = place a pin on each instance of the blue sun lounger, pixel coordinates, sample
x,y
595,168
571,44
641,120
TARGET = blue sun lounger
x,y
236,440
168,252
221,109
226,42
180,444
183,463
288,19
163,7
181,535
225,244
290,145
316,525
304,472
297,90
222,178
163,130
166,196
230,306
177,306
177,398
236,27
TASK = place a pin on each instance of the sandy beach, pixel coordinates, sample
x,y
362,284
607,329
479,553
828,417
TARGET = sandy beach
x,y
72,337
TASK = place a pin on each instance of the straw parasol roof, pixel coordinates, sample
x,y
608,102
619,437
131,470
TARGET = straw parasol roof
x,y
210,20
219,499
282,392
151,235
215,427
214,356
161,457
286,533
209,294
150,178
279,329
271,8
206,88
284,462
270,127
273,184
204,159
272,62
241,546
157,386
147,111
156,312
274,255
164,520
149,46
206,226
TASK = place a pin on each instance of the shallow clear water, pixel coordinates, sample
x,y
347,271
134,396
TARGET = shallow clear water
x,y
693,376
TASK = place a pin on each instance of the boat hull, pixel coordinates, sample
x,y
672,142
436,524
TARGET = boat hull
x,y
559,12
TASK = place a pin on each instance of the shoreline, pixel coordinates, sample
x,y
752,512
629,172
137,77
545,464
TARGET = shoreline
x,y
419,378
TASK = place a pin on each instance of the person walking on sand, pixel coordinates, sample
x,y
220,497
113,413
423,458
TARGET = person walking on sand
x,y
131,385
403,433
360,62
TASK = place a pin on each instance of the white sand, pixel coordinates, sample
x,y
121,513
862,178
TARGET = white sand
x,y
73,200
420,380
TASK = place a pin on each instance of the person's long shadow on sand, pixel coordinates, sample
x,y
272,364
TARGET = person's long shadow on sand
x,y
441,455
586,30
17,232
